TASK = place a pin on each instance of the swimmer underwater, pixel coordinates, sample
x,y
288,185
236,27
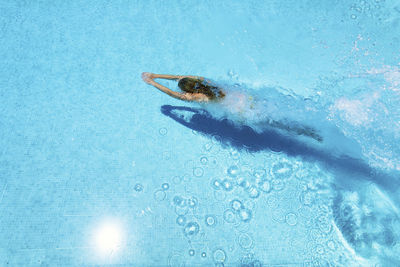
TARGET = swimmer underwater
x,y
199,89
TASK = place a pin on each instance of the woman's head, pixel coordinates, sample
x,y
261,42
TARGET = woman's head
x,y
191,85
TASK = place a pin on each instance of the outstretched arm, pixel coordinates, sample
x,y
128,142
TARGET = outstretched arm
x,y
149,78
171,77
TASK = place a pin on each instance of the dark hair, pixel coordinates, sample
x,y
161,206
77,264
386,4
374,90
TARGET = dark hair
x,y
191,85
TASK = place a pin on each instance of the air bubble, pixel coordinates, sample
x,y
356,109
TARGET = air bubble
x,y
138,187
236,205
163,131
291,219
198,171
203,254
191,228
165,186
192,202
219,256
227,185
245,215
245,241
159,195
181,220
264,186
210,220
233,171
204,160
216,184
179,201
191,252
253,192
229,216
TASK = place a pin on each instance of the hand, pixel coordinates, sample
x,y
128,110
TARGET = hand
x,y
147,77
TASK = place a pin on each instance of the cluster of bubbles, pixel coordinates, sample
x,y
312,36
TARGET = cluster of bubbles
x,y
160,194
225,184
314,185
236,211
218,255
241,211
257,182
368,8
250,182
182,206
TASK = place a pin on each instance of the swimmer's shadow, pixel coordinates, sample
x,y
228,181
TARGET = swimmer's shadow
x,y
245,138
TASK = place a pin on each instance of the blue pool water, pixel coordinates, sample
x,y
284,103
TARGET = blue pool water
x,y
99,168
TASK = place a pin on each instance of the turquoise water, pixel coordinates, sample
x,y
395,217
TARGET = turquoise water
x,y
99,168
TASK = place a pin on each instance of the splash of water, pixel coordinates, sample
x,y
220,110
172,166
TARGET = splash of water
x,y
369,114
284,111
